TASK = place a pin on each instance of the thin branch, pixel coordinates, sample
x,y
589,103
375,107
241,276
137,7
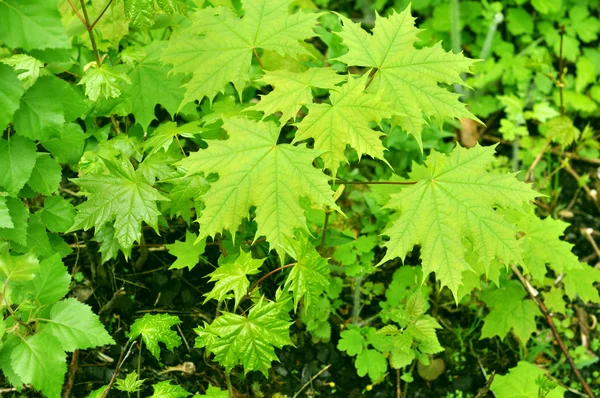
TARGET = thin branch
x,y
72,372
108,3
119,363
261,280
311,380
377,182
258,59
371,79
486,388
530,172
76,12
540,304
90,32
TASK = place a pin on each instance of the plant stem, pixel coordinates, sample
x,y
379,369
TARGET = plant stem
x,y
455,34
356,306
229,386
258,59
378,182
560,71
140,364
311,380
89,28
108,3
122,359
540,304
489,38
530,172
258,282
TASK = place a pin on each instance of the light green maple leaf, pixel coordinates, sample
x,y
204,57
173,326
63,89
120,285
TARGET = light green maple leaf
x,y
165,389
28,67
520,382
152,84
309,277
156,329
38,23
406,77
163,136
562,131
121,196
554,300
213,392
345,122
218,48
188,253
292,90
251,340
541,246
255,171
581,283
185,194
58,214
109,245
131,383
17,160
40,361
232,276
12,90
455,198
509,311
141,12
103,81
75,326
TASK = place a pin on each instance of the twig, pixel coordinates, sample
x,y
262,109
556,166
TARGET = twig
x,y
108,3
258,282
530,172
311,380
88,27
72,372
486,388
398,387
258,59
118,367
587,232
540,304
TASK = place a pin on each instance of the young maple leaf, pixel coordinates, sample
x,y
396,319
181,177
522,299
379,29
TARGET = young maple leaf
x,y
455,198
291,90
521,381
345,122
406,77
122,196
247,340
155,329
255,171
188,253
218,47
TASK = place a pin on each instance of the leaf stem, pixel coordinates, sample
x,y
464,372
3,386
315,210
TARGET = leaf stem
x,y
89,28
560,72
311,380
356,306
258,59
540,304
229,386
108,3
261,280
122,359
371,79
378,182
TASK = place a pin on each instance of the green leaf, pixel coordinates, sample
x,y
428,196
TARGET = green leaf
x,y
141,12
17,159
218,47
586,74
58,214
371,362
520,382
542,245
10,95
213,392
51,282
153,84
103,81
232,276
546,6
509,311
163,136
165,389
37,238
5,219
121,196
309,277
251,340
345,122
156,329
562,131
28,67
581,283
352,341
76,326
18,268
172,6
130,384
406,77
67,143
185,193
554,300
32,24
109,245
19,215
455,198
46,175
39,360
188,253
292,90
255,171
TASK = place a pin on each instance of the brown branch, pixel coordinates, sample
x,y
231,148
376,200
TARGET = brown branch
x,y
108,3
72,372
486,388
261,280
540,304
258,59
371,79
116,372
88,27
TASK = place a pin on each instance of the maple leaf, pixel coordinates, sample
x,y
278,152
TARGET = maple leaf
x,y
541,246
185,194
163,136
232,276
218,48
214,392
156,329
455,198
345,122
521,382
165,389
121,196
581,283
292,90
131,383
188,253
103,81
309,277
406,77
509,311
255,171
250,340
